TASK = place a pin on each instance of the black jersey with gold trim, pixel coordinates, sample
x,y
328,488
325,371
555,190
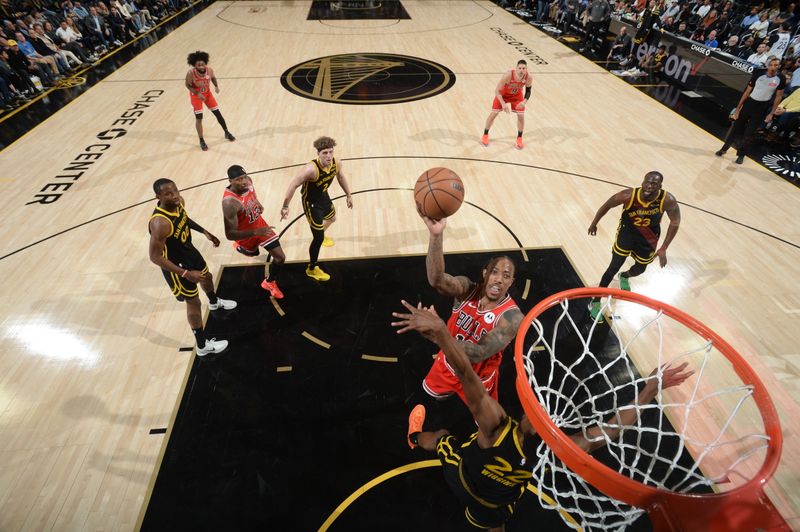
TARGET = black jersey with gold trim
x,y
178,248
317,190
497,475
643,216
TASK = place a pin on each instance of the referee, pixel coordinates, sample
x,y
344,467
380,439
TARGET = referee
x,y
754,106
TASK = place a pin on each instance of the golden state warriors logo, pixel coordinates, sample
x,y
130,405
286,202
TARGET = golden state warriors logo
x,y
68,83
367,79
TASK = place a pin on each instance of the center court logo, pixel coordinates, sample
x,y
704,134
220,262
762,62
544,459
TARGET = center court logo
x,y
368,79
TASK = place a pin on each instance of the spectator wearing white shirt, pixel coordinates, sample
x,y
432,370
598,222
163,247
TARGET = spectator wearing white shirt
x,y
703,10
759,28
759,59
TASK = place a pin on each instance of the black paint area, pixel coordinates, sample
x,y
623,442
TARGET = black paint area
x,y
357,10
255,448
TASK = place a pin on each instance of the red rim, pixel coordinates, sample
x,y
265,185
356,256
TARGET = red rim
x,y
610,481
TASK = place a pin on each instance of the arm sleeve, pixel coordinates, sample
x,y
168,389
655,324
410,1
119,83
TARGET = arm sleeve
x,y
195,226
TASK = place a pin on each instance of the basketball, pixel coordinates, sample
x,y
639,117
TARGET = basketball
x,y
438,193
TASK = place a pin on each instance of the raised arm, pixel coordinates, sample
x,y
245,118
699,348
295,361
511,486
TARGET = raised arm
x,y
307,173
345,186
487,412
674,213
596,437
495,340
617,199
444,283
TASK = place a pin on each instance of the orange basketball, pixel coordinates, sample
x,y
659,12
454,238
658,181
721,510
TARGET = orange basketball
x,y
438,193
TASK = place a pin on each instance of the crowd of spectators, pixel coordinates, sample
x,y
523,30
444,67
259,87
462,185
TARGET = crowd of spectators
x,y
753,33
43,43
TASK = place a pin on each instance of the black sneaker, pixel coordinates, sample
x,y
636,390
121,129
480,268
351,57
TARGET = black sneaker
x,y
720,153
243,251
203,145
740,159
229,136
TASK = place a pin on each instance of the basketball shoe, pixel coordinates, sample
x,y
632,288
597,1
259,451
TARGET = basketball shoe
x,y
203,145
519,143
212,346
272,288
327,242
224,304
624,283
229,136
317,274
485,140
246,252
415,420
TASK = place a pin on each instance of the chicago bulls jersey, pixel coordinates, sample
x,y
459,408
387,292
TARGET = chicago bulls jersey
x,y
469,324
514,88
200,81
249,215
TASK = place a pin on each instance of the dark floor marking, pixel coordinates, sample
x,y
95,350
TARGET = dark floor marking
x,y
257,448
158,431
272,30
206,183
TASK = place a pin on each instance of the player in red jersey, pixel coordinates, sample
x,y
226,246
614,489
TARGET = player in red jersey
x,y
508,97
484,319
244,224
197,81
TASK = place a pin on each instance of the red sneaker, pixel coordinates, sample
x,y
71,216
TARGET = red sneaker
x,y
415,420
272,288
485,140
519,143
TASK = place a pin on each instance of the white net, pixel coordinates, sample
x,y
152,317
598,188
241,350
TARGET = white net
x,y
704,438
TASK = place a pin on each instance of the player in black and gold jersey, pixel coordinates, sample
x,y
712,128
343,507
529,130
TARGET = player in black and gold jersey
x,y
489,472
182,265
315,178
639,229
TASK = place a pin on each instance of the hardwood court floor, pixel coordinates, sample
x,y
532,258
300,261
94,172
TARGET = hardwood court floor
x,y
89,345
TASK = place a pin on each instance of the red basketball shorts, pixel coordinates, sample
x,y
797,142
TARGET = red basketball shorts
x,y
516,105
210,102
441,381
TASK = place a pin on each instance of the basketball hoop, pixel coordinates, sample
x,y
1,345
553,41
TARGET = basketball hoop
x,y
659,464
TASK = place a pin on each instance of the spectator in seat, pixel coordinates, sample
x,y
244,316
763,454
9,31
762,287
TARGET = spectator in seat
x,y
745,49
759,28
759,59
750,19
711,40
621,46
729,46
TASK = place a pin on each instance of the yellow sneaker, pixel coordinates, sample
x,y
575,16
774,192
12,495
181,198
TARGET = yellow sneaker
x,y
327,242
317,274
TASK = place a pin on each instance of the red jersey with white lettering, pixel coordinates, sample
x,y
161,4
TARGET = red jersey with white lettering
x,y
201,82
469,324
514,89
249,217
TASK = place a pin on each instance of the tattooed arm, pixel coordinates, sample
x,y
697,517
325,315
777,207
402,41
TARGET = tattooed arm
x,y
495,340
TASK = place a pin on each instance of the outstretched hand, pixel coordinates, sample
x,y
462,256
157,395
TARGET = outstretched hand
x,y
424,320
673,376
436,227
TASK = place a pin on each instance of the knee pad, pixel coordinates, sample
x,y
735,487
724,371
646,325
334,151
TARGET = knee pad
x,y
198,116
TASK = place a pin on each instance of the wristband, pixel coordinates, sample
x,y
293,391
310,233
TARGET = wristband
x,y
184,273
